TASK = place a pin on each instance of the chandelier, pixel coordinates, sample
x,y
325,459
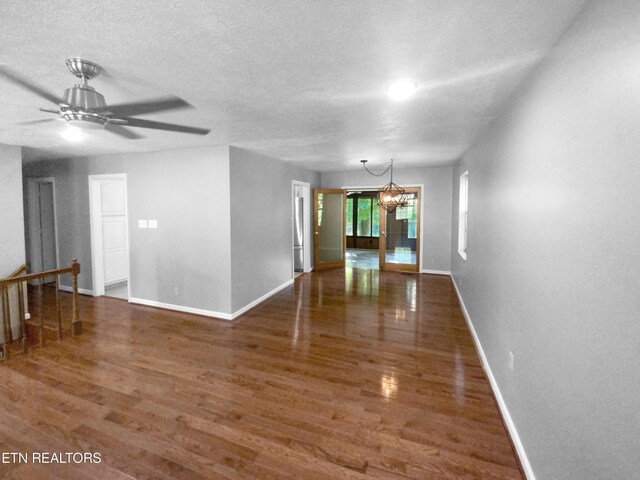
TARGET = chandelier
x,y
390,196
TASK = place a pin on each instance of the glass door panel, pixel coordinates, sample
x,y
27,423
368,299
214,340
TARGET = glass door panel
x,y
329,228
400,239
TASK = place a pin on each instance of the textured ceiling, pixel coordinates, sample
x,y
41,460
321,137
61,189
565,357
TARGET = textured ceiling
x,y
304,81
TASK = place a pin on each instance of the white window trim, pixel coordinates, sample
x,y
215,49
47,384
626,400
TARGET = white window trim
x,y
463,215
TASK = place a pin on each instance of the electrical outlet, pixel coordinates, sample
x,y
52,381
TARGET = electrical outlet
x,y
512,360
176,291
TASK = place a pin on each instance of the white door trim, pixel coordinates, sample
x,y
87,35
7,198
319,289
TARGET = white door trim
x,y
52,181
95,214
306,220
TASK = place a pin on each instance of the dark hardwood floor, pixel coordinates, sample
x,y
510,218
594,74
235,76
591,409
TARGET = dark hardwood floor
x,y
348,374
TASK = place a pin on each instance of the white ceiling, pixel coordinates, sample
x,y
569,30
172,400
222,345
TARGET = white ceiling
x,y
301,80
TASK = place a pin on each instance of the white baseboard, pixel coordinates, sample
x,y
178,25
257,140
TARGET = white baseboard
x,y
210,313
437,272
524,460
249,306
83,291
180,308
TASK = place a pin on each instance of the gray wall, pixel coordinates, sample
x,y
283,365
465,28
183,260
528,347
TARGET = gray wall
x,y
12,254
436,205
554,258
261,223
12,251
187,191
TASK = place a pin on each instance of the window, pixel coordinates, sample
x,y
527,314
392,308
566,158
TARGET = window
x,y
463,214
349,215
364,217
375,219
409,213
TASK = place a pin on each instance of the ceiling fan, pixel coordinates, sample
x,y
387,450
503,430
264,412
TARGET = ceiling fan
x,y
82,106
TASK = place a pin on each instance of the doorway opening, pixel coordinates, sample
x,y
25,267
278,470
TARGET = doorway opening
x,y
109,235
42,231
362,229
301,221
351,230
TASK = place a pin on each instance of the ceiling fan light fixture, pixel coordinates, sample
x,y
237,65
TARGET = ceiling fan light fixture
x,y
401,90
73,134
84,120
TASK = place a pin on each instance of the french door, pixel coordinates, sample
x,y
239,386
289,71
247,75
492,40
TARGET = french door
x,y
399,247
329,239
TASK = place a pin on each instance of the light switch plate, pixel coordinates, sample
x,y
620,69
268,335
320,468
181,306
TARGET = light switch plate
x,y
142,224
153,224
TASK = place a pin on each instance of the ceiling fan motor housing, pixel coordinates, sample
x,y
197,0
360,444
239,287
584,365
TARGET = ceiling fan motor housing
x,y
82,102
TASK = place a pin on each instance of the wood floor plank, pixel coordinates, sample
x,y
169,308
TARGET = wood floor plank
x,y
347,374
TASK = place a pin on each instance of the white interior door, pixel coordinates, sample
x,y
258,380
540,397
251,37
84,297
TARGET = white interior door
x,y
109,239
114,231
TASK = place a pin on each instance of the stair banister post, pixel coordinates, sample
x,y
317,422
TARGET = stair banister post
x,y
21,314
76,325
6,322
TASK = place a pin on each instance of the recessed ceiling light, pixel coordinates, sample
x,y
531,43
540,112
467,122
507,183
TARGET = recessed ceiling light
x,y
72,134
401,90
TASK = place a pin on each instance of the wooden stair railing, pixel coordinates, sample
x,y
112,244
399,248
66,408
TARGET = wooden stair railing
x,y
19,280
13,299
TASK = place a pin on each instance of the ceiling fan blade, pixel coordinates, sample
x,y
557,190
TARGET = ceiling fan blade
x,y
33,122
147,106
24,82
172,127
121,131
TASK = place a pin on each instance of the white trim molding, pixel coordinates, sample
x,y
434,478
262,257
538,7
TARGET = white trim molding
x,y
180,308
513,433
210,313
82,291
437,272
249,306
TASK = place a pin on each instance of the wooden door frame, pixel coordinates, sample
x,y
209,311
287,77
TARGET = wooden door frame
x,y
316,245
95,221
410,186
307,221
382,250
